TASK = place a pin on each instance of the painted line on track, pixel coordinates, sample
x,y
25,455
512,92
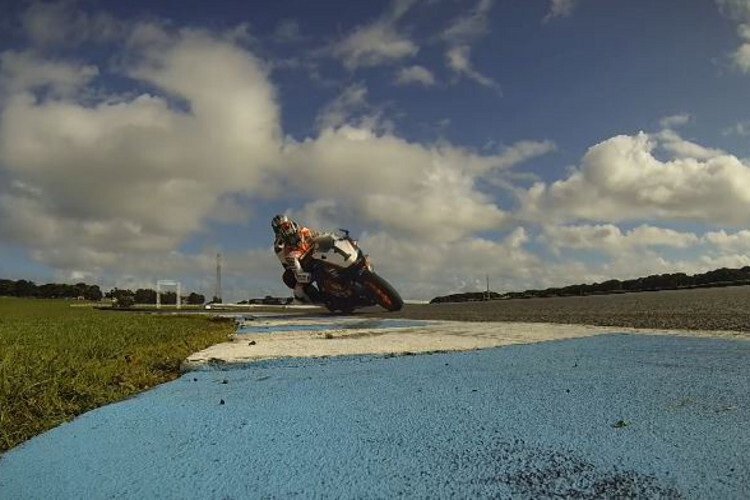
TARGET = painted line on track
x,y
281,336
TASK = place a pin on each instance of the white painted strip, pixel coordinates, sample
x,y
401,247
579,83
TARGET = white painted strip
x,y
337,336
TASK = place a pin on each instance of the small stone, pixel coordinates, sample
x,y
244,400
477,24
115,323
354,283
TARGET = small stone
x,y
567,390
225,381
195,380
252,342
620,424
221,402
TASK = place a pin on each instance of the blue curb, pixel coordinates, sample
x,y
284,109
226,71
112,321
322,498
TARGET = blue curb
x,y
610,416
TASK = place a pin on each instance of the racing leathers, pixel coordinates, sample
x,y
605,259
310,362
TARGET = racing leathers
x,y
295,276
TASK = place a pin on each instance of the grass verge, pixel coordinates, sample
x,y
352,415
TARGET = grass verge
x,y
58,361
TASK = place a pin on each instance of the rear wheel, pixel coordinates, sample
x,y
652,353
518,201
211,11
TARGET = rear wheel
x,y
384,294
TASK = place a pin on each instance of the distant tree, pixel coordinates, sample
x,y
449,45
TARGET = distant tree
x,y
7,288
122,298
168,298
216,300
195,299
145,296
25,288
125,302
93,293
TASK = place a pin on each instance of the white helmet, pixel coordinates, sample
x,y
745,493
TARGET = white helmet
x,y
285,229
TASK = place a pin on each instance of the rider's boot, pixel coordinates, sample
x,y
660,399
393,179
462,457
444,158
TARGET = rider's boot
x,y
307,294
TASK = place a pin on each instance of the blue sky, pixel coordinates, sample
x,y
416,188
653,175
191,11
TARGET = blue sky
x,y
542,142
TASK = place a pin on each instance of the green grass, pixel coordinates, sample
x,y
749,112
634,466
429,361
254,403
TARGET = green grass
x,y
58,361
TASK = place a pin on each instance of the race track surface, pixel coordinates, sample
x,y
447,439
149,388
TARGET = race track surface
x,y
606,416
699,309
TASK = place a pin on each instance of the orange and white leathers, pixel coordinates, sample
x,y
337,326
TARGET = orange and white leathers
x,y
290,256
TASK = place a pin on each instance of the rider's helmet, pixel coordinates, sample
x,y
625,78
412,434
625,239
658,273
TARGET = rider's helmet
x,y
285,229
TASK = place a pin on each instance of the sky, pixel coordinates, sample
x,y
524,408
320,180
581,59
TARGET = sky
x,y
540,142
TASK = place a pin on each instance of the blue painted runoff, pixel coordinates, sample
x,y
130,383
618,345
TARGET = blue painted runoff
x,y
333,324
614,416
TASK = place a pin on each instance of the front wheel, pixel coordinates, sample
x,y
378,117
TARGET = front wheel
x,y
384,294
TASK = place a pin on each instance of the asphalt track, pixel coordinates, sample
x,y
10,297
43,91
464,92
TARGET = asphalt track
x,y
610,416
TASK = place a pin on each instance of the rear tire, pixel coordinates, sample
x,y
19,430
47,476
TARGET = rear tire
x,y
384,294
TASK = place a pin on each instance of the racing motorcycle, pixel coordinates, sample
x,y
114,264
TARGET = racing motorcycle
x,y
345,277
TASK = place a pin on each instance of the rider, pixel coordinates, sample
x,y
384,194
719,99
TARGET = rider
x,y
291,243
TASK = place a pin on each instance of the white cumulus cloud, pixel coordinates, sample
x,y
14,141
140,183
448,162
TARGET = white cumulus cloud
x,y
611,239
620,180
26,70
428,192
134,174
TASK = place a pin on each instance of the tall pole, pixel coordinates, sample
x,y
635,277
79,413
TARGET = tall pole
x,y
217,294
487,294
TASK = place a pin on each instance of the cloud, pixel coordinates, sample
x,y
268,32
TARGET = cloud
x,y
560,8
287,31
741,57
735,9
458,59
673,121
737,242
109,186
96,182
739,10
611,239
422,270
415,75
470,26
378,42
740,129
620,180
411,189
27,71
59,23
681,148
351,107
459,36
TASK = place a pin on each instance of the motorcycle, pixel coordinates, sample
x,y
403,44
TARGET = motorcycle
x,y
344,276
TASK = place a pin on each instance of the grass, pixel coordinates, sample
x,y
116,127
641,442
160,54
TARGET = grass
x,y
58,361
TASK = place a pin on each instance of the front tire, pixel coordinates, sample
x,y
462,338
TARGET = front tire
x,y
384,294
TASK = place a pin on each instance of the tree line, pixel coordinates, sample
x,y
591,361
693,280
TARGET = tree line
x,y
675,281
148,296
29,289
25,288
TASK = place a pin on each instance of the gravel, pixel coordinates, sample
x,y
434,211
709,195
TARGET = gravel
x,y
698,309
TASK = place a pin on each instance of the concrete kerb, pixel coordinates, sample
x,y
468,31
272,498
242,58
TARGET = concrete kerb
x,y
280,336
